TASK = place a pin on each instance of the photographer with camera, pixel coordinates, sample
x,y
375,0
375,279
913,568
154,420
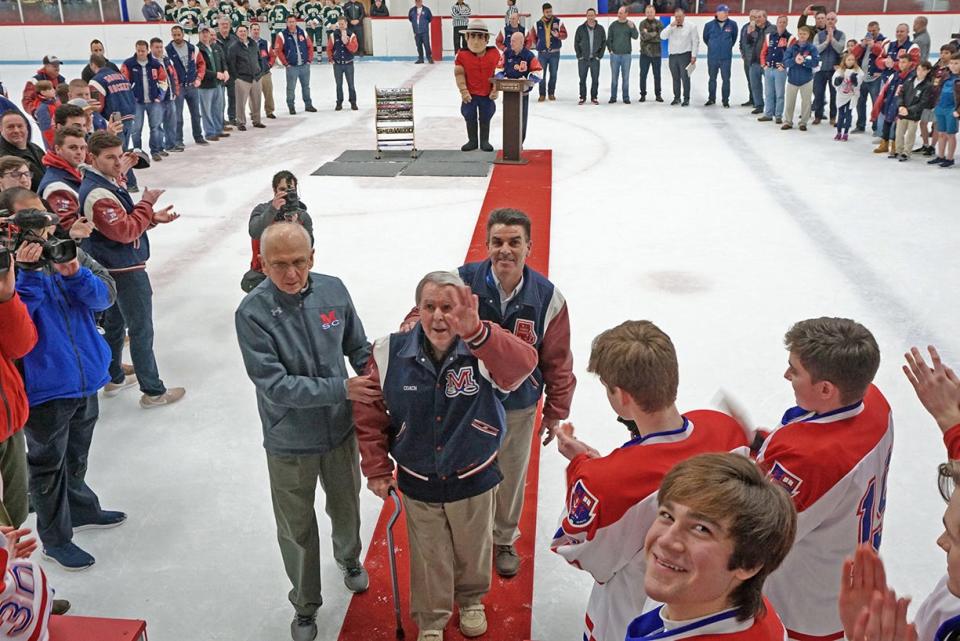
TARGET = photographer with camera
x,y
62,376
119,242
285,206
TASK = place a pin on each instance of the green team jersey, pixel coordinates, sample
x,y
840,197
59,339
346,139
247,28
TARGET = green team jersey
x,y
170,12
239,18
298,8
331,14
189,18
277,17
211,15
312,14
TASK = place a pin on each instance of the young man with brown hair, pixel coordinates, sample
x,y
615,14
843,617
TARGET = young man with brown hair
x,y
611,500
720,530
832,454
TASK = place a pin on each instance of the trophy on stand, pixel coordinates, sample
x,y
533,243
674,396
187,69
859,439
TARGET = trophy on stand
x,y
512,90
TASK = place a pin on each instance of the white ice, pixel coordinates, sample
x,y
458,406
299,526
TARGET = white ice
x,y
721,230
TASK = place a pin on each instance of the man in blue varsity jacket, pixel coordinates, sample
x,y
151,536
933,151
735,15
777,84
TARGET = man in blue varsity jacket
x,y
148,81
528,305
517,61
295,51
190,68
442,383
547,36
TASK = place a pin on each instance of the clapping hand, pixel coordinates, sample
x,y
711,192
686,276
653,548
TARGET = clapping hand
x,y
81,228
151,195
464,318
165,215
937,387
22,547
799,59
863,576
129,160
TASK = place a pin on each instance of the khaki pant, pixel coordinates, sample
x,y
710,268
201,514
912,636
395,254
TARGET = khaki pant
x,y
906,135
513,459
266,86
246,90
451,550
13,480
293,485
806,97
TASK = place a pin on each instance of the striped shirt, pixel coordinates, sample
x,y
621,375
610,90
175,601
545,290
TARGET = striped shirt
x,y
461,14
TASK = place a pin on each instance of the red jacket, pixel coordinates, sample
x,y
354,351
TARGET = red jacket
x,y
18,337
31,99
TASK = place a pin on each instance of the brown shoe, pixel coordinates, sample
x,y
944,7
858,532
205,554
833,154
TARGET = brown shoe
x,y
786,126
882,148
60,607
542,99
506,560
112,389
552,97
172,395
817,121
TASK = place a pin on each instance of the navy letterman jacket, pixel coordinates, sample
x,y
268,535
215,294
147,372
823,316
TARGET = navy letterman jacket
x,y
443,424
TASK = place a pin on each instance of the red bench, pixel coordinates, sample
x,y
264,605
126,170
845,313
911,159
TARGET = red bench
x,y
68,628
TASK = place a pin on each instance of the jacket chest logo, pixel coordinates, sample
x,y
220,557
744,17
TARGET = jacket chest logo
x,y
525,330
520,66
461,382
329,319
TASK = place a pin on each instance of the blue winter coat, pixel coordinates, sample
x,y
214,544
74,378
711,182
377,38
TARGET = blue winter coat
x,y
423,24
799,75
720,37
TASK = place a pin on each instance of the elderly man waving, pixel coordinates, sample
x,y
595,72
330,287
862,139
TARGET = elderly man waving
x,y
442,421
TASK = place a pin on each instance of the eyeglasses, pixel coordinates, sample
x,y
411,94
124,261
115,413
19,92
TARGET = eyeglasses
x,y
946,482
300,264
19,174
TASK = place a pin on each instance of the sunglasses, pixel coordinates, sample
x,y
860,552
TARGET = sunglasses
x,y
945,480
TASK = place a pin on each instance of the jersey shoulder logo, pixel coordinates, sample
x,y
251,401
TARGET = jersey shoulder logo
x,y
789,481
461,381
583,505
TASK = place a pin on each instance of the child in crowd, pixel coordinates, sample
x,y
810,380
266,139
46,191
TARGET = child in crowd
x,y
890,100
946,114
916,97
801,59
940,71
44,114
848,79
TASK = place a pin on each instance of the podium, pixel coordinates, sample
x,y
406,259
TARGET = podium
x,y
512,90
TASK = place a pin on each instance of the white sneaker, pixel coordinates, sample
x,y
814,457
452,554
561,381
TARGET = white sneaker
x,y
430,635
112,389
172,395
473,620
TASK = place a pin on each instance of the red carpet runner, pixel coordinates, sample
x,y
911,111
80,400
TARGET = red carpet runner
x,y
370,616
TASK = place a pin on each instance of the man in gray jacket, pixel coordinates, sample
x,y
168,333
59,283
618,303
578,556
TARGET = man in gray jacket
x,y
830,43
294,331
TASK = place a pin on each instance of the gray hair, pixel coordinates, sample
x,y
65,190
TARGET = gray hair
x,y
442,278
923,20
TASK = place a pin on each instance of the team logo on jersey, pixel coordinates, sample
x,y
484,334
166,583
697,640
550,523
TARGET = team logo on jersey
x,y
329,319
520,66
525,330
785,478
583,505
460,382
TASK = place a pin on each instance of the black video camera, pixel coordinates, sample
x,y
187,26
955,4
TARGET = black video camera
x,y
25,227
291,206
4,260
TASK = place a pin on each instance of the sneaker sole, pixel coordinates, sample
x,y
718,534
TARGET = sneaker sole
x,y
116,391
98,526
67,568
474,633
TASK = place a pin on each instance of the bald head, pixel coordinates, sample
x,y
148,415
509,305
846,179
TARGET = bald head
x,y
287,256
516,41
284,237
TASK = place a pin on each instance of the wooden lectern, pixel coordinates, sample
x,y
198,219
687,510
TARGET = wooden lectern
x,y
512,90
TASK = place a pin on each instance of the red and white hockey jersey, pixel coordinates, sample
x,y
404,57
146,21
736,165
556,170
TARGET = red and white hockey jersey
x,y
25,598
611,503
835,467
939,614
722,626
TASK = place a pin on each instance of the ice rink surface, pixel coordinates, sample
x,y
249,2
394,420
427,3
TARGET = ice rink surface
x,y
722,230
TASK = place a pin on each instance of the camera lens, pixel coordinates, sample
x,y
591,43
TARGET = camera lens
x,y
60,251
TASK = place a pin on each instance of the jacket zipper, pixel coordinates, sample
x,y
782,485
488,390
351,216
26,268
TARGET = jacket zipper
x,y
313,353
73,343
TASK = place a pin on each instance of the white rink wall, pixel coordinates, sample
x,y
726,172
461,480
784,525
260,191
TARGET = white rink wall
x,y
389,37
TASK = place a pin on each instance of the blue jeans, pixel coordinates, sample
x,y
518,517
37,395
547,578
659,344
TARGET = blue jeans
x,y
480,109
127,137
59,433
620,66
211,109
133,314
723,66
339,71
871,89
822,81
169,124
550,61
422,41
301,73
756,85
154,116
845,118
190,95
776,80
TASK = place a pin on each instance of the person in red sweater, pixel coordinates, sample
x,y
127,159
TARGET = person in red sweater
x,y
50,71
18,337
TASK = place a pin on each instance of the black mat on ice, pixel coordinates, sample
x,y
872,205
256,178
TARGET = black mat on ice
x,y
431,162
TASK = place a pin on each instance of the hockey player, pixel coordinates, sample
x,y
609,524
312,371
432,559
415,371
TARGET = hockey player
x,y
719,531
611,501
832,454
311,12
473,69
332,13
277,17
868,608
25,593
189,17
523,302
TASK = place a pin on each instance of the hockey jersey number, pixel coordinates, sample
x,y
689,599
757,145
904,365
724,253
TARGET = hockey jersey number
x,y
872,508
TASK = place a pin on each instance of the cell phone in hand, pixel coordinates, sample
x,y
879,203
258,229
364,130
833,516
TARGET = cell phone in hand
x,y
115,116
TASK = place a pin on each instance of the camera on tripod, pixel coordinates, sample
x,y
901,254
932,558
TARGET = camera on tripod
x,y
27,227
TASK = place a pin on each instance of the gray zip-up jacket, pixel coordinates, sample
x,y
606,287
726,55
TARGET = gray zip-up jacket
x,y
293,346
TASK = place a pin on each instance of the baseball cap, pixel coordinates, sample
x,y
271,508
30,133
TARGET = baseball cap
x,y
723,8
51,60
